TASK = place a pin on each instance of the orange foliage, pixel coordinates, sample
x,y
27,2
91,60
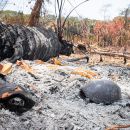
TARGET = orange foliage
x,y
112,27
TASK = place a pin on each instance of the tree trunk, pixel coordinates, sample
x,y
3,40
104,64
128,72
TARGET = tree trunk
x,y
30,43
35,14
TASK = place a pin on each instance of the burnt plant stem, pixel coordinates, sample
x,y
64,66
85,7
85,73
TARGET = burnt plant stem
x,y
60,26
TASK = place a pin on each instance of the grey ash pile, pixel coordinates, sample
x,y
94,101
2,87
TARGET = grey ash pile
x,y
59,106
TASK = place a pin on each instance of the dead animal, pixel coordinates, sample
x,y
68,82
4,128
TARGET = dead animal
x,y
15,98
101,91
30,43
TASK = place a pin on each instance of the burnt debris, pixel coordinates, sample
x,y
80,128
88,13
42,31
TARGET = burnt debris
x,y
20,42
66,48
14,97
82,47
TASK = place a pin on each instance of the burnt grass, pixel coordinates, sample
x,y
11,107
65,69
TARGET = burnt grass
x,y
58,103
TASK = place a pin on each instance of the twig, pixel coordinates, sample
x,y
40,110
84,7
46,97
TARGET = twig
x,y
112,54
117,127
77,59
71,12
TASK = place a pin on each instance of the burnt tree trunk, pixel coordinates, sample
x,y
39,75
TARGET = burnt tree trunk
x,y
35,14
20,42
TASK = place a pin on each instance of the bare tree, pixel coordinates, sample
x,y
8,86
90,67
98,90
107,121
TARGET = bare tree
x,y
59,5
105,10
35,14
126,13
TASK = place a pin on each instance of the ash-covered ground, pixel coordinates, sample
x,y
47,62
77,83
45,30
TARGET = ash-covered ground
x,y
59,106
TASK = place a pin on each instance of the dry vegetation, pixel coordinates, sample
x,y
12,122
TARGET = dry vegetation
x,y
110,36
111,33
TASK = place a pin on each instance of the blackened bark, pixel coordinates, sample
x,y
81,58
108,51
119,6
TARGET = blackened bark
x,y
34,17
20,42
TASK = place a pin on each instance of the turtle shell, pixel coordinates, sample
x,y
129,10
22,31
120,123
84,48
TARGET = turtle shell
x,y
101,91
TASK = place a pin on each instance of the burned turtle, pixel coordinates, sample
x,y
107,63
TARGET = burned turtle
x,y
101,91
15,98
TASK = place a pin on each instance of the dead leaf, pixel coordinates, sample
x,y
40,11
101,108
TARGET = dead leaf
x,y
6,68
1,66
25,66
5,95
53,67
128,64
85,73
91,72
117,127
56,61
39,62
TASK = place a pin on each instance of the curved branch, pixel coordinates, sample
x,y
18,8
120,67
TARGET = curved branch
x,y
72,11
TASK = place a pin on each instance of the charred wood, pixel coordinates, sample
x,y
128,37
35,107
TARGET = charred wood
x,y
20,42
35,14
81,47
112,54
80,58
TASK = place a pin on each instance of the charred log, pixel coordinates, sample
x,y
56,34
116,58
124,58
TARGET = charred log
x,y
81,47
20,42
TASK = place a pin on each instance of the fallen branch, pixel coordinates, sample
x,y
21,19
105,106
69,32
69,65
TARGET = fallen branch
x,y
77,59
5,69
118,127
124,55
27,68
113,54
